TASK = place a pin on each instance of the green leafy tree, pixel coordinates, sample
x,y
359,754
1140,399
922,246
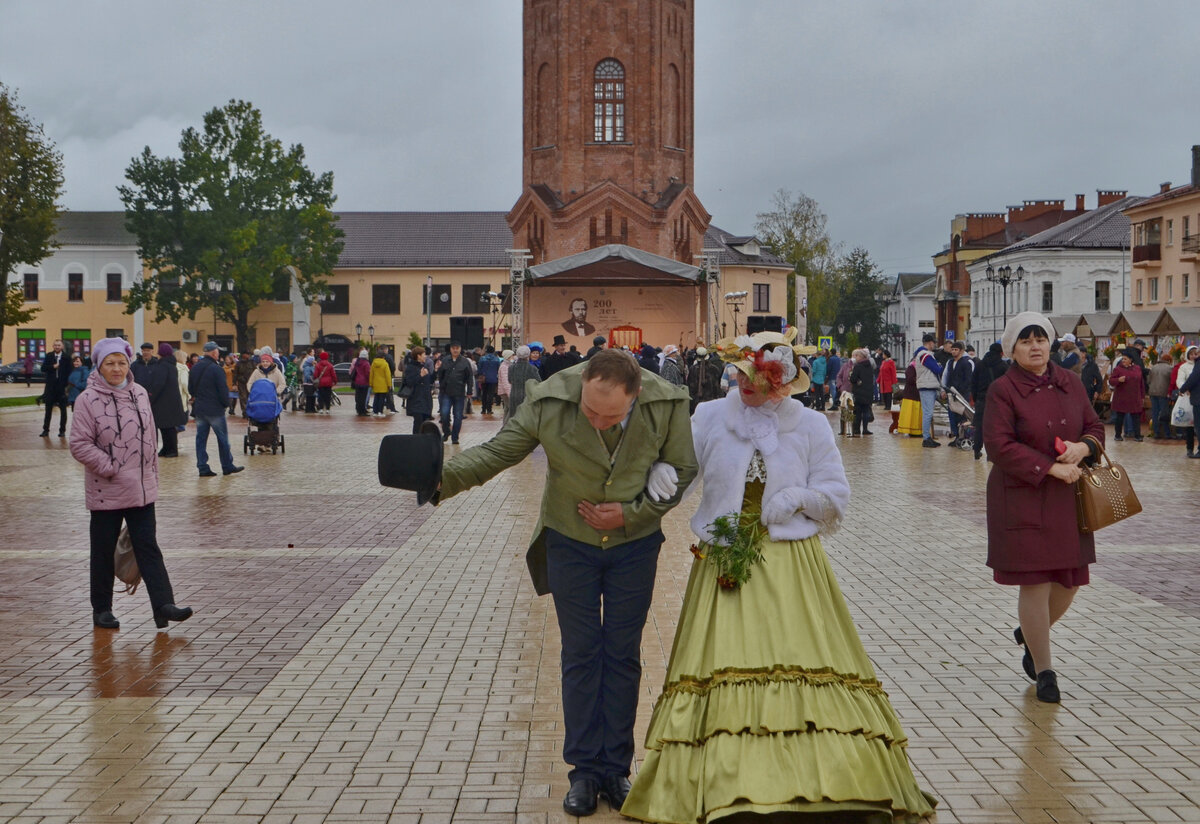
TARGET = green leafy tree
x,y
415,339
227,224
31,182
795,230
858,307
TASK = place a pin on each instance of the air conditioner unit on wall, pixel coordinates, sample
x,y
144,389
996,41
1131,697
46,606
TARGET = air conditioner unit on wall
x,y
190,336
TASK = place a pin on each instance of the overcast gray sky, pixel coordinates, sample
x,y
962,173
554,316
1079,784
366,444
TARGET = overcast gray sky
x,y
894,116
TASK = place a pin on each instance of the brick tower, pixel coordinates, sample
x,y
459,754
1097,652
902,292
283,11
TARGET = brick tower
x,y
608,123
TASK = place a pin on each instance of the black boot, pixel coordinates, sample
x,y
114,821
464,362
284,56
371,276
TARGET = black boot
x,y
170,612
105,620
1047,687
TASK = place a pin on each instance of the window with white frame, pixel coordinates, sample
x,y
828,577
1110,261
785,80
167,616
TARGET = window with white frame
x,y
1102,296
1047,296
1170,287
1138,291
1153,289
1170,232
1184,292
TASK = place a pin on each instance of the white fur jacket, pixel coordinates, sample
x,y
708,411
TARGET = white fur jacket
x,y
806,490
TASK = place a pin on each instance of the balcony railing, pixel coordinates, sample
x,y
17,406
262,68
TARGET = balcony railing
x,y
1150,251
1191,243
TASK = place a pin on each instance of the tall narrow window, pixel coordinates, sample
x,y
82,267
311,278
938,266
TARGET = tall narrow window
x,y
113,286
1102,298
762,297
1047,297
31,286
608,95
1153,290
1184,295
75,286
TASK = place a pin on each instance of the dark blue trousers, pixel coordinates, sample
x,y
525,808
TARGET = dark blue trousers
x,y
601,597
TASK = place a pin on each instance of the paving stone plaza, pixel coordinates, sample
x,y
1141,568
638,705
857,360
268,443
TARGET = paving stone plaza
x,y
355,658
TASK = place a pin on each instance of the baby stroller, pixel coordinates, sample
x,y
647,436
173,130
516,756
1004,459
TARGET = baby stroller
x,y
262,410
966,428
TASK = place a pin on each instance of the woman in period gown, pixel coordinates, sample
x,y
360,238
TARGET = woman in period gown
x,y
771,704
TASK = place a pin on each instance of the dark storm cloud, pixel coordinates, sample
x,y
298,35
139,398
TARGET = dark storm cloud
x,y
894,116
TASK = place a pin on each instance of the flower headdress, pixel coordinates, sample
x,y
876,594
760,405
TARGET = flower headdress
x,y
768,359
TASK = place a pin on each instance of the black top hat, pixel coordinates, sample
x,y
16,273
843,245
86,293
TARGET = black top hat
x,y
559,340
413,462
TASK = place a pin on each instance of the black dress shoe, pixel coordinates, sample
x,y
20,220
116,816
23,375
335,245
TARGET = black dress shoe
x,y
1047,687
1026,659
615,788
207,473
105,620
45,433
581,798
232,470
170,612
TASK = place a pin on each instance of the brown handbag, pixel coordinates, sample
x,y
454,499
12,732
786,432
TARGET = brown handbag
x,y
1104,494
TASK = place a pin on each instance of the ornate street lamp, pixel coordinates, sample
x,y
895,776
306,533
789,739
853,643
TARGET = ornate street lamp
x,y
1004,276
371,332
358,331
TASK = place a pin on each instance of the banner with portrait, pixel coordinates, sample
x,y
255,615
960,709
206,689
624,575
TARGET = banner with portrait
x,y
663,314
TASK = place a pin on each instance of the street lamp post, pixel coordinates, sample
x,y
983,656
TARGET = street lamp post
x,y
371,333
357,332
214,295
1004,276
735,301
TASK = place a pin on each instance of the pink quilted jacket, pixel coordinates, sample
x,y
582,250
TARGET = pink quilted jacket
x,y
113,436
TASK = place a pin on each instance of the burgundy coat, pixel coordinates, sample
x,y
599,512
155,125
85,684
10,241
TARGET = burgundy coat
x,y
1128,396
1031,516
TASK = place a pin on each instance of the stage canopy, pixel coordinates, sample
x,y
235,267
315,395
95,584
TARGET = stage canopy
x,y
617,264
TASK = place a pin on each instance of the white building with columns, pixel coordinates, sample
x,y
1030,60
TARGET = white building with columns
x,y
1079,267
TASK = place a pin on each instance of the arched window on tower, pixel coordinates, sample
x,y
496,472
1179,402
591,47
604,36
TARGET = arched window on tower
x,y
608,92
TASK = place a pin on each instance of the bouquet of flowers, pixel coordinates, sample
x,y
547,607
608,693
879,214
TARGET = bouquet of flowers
x,y
736,547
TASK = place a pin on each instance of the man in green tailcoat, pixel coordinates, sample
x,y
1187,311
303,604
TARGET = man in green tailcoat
x,y
609,429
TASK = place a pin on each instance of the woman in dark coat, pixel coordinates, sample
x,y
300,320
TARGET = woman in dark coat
x,y
162,384
418,378
1128,397
1034,540
862,387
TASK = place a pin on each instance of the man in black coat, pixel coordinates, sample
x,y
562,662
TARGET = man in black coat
x,y
56,367
453,377
141,367
990,367
162,385
210,395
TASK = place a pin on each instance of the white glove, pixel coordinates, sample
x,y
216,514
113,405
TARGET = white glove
x,y
663,481
783,505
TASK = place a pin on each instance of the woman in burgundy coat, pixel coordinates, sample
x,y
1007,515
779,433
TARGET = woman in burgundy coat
x,y
1034,540
1128,398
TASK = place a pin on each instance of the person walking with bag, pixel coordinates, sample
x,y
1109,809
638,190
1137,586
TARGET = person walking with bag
x,y
113,437
1034,541
1189,382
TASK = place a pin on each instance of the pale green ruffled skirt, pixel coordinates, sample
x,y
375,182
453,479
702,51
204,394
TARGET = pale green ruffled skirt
x,y
771,705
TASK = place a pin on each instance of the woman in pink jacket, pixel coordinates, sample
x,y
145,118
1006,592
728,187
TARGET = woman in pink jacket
x,y
113,436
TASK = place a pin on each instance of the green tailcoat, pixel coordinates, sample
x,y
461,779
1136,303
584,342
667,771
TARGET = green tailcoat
x,y
579,467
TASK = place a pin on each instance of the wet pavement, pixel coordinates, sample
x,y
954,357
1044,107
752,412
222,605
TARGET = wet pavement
x,y
354,658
